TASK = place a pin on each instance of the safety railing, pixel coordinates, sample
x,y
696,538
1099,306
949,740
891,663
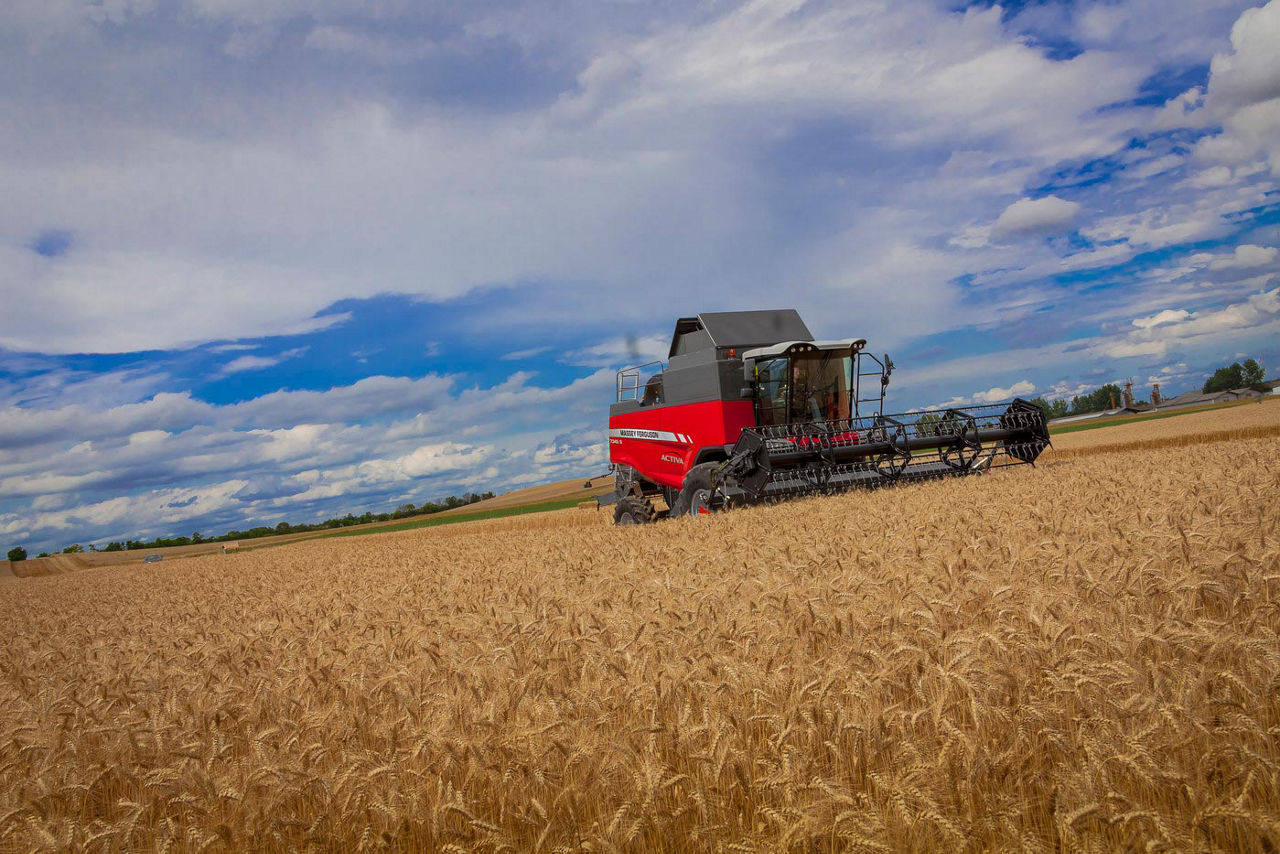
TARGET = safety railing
x,y
629,380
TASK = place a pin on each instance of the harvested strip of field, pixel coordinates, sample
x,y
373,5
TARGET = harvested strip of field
x,y
543,493
1084,656
1245,421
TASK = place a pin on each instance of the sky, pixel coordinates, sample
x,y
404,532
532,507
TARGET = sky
x,y
274,260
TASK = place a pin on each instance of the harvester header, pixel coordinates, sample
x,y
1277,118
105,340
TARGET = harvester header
x,y
749,407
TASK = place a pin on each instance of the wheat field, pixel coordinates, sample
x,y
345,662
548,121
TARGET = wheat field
x,y
1078,657
1244,420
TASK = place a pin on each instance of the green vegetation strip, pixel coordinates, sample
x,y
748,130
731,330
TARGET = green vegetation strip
x,y
432,521
1134,419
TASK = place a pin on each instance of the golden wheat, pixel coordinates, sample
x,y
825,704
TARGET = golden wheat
x,y
1242,421
1080,657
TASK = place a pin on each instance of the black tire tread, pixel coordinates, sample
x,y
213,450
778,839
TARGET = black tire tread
x,y
638,507
701,476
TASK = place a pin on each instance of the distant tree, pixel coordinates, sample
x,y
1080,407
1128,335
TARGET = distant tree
x,y
927,424
1052,408
73,549
1253,373
114,547
283,528
1097,400
1225,379
196,539
43,554
17,553
1246,374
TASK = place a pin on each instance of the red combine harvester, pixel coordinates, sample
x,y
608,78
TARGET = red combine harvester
x,y
750,408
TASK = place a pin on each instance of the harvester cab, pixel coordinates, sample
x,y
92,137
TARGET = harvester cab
x,y
749,407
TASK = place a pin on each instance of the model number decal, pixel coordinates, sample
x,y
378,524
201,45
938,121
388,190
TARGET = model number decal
x,y
654,435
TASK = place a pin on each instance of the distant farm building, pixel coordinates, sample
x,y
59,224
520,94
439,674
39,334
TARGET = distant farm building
x,y
1190,398
1196,398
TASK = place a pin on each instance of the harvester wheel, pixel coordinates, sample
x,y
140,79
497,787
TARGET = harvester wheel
x,y
634,510
699,495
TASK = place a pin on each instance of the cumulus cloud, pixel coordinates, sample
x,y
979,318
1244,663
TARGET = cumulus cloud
x,y
629,350
995,394
1243,95
1166,316
641,172
1246,256
141,468
1155,335
1046,214
571,453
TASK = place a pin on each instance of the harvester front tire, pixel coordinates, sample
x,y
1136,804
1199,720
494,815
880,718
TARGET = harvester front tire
x,y
634,510
698,497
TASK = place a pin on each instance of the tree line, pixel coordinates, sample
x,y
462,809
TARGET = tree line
x,y
1246,374
404,511
1106,396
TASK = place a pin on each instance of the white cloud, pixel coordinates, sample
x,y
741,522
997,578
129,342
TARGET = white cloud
x,y
1250,74
258,363
1153,336
1243,95
422,461
1131,349
991,395
644,181
1259,309
1166,316
1246,256
619,352
1182,111
1164,226
131,478
1154,166
1067,390
1042,215
518,355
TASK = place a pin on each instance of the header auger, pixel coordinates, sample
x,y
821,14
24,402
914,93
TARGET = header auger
x,y
750,408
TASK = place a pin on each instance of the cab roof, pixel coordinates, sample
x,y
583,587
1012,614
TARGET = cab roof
x,y
740,329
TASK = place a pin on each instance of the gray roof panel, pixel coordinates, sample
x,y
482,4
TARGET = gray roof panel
x,y
745,329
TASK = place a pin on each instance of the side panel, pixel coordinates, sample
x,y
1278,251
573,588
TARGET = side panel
x,y
662,442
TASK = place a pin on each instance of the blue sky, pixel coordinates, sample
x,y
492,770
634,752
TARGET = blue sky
x,y
265,260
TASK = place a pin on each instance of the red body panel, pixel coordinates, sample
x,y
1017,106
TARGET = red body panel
x,y
662,442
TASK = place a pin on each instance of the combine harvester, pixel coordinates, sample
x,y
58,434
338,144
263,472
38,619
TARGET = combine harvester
x,y
750,408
